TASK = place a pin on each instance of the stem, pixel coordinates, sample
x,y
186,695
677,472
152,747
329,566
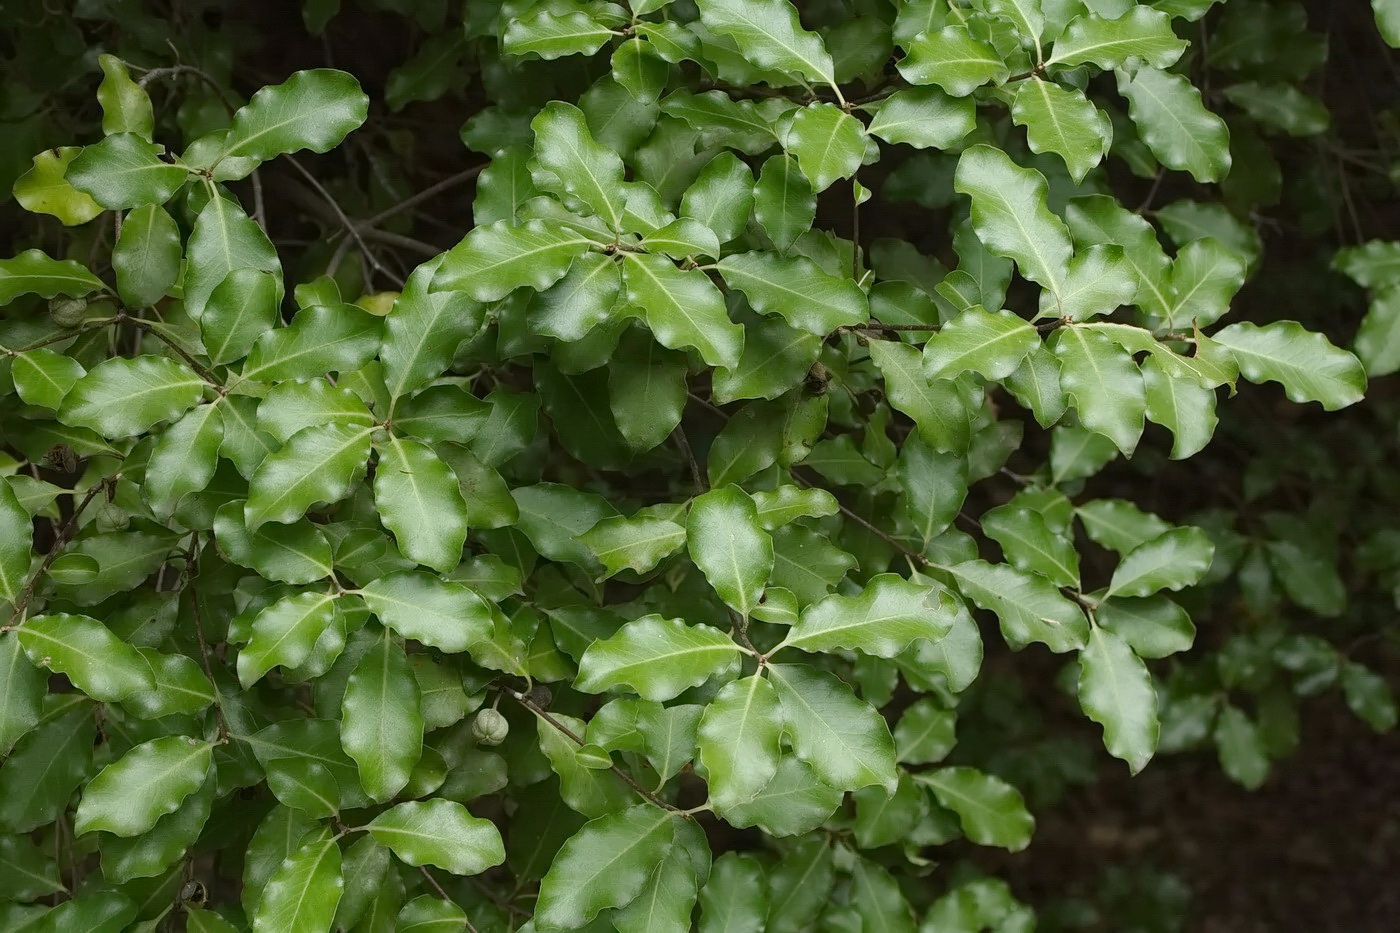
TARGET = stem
x,y
451,181
204,372
65,534
875,530
349,225
696,476
59,338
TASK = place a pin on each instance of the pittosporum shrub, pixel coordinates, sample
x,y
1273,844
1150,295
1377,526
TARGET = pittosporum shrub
x,y
631,564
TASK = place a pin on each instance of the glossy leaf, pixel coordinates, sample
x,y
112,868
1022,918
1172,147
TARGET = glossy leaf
x,y
1171,561
923,117
992,344
125,171
739,740
303,891
494,260
87,653
317,464
682,308
1169,116
605,864
843,738
312,110
1029,606
120,397
658,658
889,614
1142,33
1064,122
1010,215
769,34
147,255
436,612
1116,691
991,811
804,295
136,790
729,546
954,60
827,142
441,833
1308,366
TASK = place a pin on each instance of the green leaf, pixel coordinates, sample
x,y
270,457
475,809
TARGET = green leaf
x,y
436,612
295,553
22,685
605,864
843,738
418,500
925,732
1116,691
184,458
721,197
729,546
886,618
934,486
1098,281
770,36
1388,21
1063,121
1275,103
568,161
952,59
29,871
795,802
125,171
1173,560
32,272
428,913
1241,748
126,108
739,740
1377,344
381,724
136,790
583,299
1182,134
494,260
1105,384
1369,696
827,142
422,331
667,900
122,397
1308,366
991,811
992,344
286,632
1118,525
47,766
312,110
240,310
734,900
682,238
1142,33
938,406
638,543
44,189
320,339
317,464
87,653
646,390
639,69
1031,544
682,308
224,238
16,543
658,658
797,289
302,892
778,507
291,406
1181,406
1010,215
925,118
147,256
783,201
1375,264
553,35
1154,626
1029,607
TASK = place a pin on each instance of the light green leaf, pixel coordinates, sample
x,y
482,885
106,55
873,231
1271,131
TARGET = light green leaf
x,y
44,189
1118,525
302,892
667,900
640,70
136,790
32,272
553,35
428,913
734,900
1388,21
1097,281
295,553
1140,33
320,339
568,161
658,658
494,260
1063,121
991,811
1030,544
843,738
1154,626
241,309
1173,560
637,543
1182,134
938,406
87,653
1378,340
886,618
1116,691
313,110
1105,384
925,732
797,289
43,377
952,59
1369,696
682,238
436,612
682,308
925,118
422,331
1375,264
770,36
125,171
1010,214
783,201
583,299
605,864
286,632
934,486
990,343
122,397
224,238
317,464
1029,607
440,832
721,197
827,142
739,740
746,125
184,458
291,406
418,500
778,507
381,724
729,546
1308,366
126,108
22,685
1182,406
1205,277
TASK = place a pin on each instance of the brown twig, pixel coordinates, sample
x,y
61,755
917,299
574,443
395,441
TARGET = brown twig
x,y
350,226
695,474
427,193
